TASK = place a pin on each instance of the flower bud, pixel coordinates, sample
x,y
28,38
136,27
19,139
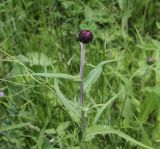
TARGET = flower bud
x,y
150,60
1,94
84,36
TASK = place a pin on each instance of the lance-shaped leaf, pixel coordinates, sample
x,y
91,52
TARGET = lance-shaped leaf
x,y
71,107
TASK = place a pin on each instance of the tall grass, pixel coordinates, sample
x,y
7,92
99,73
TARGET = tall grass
x,y
39,74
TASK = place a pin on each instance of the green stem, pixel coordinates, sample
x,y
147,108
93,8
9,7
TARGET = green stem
x,y
82,87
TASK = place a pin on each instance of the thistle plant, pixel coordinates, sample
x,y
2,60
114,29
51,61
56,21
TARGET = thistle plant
x,y
84,37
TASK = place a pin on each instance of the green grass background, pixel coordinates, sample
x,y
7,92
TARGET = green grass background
x,y
41,111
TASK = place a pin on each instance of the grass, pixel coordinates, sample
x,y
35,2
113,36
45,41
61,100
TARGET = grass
x,y
39,74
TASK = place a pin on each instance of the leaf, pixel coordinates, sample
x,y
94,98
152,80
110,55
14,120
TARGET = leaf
x,y
50,75
35,58
15,126
158,25
101,129
58,75
50,131
126,81
92,78
61,128
99,16
41,59
71,108
153,90
22,58
100,111
121,4
148,106
95,74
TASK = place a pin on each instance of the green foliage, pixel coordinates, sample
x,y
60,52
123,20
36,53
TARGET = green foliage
x,y
100,129
39,74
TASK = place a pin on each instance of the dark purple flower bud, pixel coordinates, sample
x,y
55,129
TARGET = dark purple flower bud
x,y
85,36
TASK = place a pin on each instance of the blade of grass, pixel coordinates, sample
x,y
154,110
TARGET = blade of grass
x,y
41,136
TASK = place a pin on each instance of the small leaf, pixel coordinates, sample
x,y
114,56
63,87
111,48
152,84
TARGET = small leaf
x,y
50,131
61,128
15,126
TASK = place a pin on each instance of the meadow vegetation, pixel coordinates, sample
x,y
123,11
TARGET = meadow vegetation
x,y
39,74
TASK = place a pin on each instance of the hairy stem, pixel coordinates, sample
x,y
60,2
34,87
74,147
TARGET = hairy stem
x,y
82,87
